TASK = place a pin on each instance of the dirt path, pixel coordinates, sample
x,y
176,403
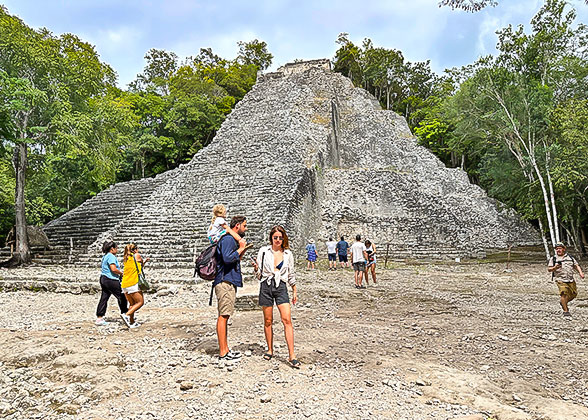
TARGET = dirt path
x,y
429,341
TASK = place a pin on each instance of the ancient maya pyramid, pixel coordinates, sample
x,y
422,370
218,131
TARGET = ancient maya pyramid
x,y
308,150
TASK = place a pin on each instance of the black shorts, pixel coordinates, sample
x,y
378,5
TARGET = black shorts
x,y
332,257
342,258
268,294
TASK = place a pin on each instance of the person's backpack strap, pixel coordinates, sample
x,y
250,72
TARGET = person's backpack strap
x,y
261,267
137,267
212,285
553,259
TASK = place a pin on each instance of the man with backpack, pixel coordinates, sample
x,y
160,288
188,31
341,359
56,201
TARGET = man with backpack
x,y
562,266
228,278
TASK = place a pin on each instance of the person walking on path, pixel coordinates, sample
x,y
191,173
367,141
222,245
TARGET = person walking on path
x,y
311,254
343,252
133,265
562,266
332,253
109,282
228,278
275,266
359,257
370,250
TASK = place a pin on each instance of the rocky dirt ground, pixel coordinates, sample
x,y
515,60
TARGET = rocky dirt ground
x,y
445,341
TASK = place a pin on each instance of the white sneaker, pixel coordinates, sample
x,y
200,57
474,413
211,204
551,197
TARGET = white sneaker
x,y
135,325
126,319
101,322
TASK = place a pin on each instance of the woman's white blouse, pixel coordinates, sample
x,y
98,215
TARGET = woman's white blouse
x,y
286,273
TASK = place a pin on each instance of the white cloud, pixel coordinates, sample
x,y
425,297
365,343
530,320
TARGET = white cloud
x,y
507,12
487,35
223,44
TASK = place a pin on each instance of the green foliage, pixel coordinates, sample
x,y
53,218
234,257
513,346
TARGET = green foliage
x,y
84,134
256,53
522,113
179,108
6,195
398,85
468,5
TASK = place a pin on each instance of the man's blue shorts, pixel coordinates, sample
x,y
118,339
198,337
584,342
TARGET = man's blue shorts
x,y
332,257
343,258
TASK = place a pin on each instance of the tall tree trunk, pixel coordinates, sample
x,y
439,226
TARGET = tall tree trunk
x,y
546,201
552,196
544,239
19,160
529,143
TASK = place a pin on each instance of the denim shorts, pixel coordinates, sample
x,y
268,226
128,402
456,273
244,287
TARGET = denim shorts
x,y
270,294
342,258
332,257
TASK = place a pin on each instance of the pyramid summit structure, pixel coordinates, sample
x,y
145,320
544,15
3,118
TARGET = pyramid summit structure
x,y
307,150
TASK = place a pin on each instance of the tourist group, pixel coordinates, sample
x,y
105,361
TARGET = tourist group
x,y
363,257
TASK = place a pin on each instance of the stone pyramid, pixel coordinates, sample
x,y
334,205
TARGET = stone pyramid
x,y
308,150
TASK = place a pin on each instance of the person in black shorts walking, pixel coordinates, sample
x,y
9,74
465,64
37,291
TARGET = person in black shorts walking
x,y
332,253
275,267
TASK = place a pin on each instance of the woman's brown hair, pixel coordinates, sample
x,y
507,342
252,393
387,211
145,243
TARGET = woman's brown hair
x,y
278,228
129,250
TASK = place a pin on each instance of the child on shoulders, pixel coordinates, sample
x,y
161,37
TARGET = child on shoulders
x,y
219,226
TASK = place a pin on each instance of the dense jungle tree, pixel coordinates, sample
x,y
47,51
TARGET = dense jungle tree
x,y
47,86
398,85
514,101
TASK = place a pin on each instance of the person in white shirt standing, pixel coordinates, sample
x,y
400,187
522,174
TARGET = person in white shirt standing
x,y
359,257
275,267
332,253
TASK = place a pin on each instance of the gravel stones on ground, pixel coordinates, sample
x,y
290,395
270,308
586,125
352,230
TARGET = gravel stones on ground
x,y
423,343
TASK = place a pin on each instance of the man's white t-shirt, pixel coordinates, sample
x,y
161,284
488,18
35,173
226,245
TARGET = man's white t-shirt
x,y
357,251
331,247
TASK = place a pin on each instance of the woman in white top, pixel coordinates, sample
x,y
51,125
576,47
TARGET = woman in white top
x,y
274,267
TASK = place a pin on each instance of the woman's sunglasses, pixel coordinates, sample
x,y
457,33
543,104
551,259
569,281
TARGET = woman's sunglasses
x,y
278,238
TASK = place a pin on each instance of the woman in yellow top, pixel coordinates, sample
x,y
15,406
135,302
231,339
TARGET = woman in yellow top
x,y
130,283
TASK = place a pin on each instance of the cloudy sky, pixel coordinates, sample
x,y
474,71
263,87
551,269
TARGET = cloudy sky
x,y
123,31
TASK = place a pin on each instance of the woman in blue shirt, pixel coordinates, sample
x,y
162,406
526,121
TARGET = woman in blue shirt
x,y
110,283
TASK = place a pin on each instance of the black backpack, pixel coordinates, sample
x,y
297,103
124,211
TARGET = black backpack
x,y
206,264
